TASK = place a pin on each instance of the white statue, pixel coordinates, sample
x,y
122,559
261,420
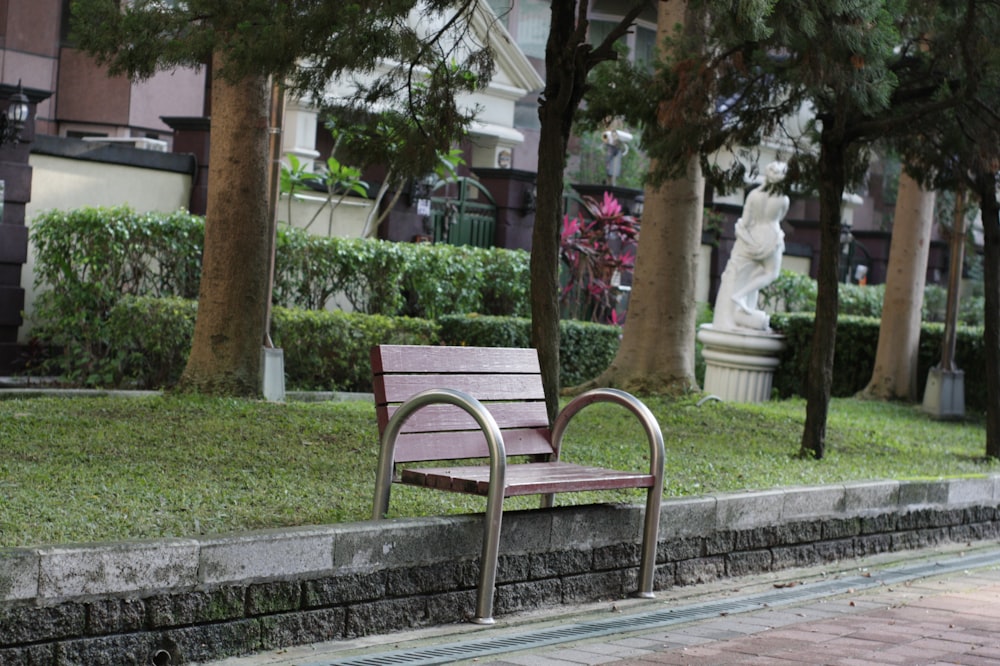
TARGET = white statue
x,y
755,261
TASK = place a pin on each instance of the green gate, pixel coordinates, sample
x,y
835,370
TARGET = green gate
x,y
463,213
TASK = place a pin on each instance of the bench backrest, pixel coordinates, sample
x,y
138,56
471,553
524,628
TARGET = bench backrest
x,y
506,380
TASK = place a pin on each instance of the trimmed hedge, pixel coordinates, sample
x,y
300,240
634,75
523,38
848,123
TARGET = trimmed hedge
x,y
585,349
328,350
383,277
90,259
854,356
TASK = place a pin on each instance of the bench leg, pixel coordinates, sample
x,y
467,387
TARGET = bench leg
x,y
650,532
490,555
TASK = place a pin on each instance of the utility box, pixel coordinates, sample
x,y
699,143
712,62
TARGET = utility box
x,y
944,396
272,363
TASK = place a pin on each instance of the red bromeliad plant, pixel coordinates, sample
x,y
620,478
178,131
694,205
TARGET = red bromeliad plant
x,y
596,253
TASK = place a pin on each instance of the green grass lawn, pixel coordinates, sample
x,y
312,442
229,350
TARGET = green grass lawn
x,y
93,469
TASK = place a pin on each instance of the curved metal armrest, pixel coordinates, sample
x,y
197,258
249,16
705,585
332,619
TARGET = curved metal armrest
x,y
461,399
630,402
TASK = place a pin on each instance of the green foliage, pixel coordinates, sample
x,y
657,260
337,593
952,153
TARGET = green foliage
x,y
860,300
323,350
329,350
87,260
326,350
306,45
971,307
338,180
857,343
442,279
478,331
794,292
857,339
585,349
505,283
114,285
382,277
791,292
151,338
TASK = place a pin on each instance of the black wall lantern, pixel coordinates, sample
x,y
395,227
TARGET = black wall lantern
x,y
12,120
421,188
529,199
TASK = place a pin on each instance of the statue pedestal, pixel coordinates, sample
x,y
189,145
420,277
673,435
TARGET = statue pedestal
x,y
739,365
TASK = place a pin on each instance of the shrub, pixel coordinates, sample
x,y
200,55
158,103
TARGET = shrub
x,y
791,292
329,350
505,283
151,338
595,253
323,350
442,279
88,260
382,277
794,292
585,349
860,300
854,356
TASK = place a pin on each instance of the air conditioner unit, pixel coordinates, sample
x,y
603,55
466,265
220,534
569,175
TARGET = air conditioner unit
x,y
139,142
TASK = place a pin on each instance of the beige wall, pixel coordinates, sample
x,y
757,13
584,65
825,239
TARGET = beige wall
x,y
64,184
309,213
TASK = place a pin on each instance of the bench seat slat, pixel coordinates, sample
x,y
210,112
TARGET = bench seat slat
x,y
481,387
438,418
468,444
407,358
536,478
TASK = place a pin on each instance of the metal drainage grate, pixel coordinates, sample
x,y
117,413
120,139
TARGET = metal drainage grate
x,y
481,647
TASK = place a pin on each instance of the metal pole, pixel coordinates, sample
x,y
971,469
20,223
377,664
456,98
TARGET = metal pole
x,y
954,284
273,193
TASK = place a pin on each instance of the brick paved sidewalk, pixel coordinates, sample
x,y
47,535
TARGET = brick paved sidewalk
x,y
953,619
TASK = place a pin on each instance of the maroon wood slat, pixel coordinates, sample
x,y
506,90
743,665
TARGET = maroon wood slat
x,y
438,418
468,444
527,479
508,382
406,358
397,388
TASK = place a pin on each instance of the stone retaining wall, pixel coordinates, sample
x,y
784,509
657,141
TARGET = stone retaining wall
x,y
174,601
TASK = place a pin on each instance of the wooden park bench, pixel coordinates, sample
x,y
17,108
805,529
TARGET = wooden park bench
x,y
454,403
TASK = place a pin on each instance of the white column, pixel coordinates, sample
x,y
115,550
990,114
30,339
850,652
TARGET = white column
x,y
299,134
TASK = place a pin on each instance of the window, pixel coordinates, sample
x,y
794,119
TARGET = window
x,y
502,9
532,29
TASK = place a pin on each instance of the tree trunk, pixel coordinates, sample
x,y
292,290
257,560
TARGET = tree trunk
x,y
987,190
656,354
565,78
544,261
228,335
895,373
819,378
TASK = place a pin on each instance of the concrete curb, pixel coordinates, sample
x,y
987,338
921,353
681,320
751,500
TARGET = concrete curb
x,y
52,574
